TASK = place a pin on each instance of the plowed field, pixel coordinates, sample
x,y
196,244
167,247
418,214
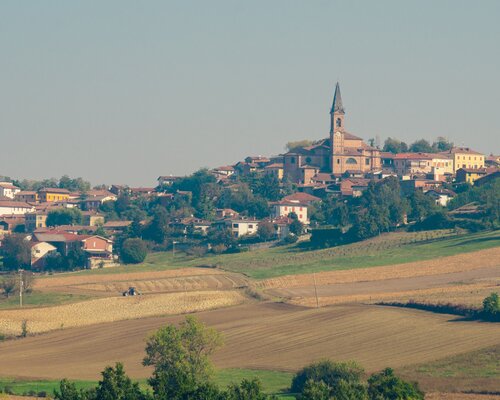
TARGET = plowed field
x,y
269,336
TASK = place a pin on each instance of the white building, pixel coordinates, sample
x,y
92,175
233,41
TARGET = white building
x,y
241,227
284,208
7,189
10,207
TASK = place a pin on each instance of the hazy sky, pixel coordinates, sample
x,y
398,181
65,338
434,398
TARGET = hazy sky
x,y
124,91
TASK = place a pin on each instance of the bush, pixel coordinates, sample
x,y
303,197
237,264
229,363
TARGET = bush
x,y
325,237
133,251
343,379
289,239
387,386
438,220
491,307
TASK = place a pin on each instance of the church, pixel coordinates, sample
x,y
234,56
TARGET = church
x,y
341,153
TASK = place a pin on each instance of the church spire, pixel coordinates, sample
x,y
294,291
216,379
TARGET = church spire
x,y
337,106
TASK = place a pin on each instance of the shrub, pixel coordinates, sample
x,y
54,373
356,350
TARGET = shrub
x,y
387,386
133,251
491,306
289,239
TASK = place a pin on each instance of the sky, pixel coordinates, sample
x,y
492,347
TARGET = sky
x,y
124,91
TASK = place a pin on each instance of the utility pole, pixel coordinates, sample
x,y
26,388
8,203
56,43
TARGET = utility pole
x,y
21,287
173,248
316,290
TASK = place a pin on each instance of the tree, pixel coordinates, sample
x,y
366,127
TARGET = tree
x,y
442,144
133,251
64,216
421,146
491,305
314,390
74,185
68,391
420,205
8,284
180,356
266,231
387,386
296,227
116,385
246,390
158,229
395,146
292,146
16,252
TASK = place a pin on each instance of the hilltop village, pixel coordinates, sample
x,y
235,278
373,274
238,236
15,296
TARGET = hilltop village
x,y
340,187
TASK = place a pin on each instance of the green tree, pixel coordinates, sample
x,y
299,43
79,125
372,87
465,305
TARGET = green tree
x,y
421,146
343,379
180,356
116,385
158,229
64,216
315,390
420,205
133,251
68,391
246,390
74,184
266,231
296,227
293,146
16,251
395,146
491,305
442,144
387,386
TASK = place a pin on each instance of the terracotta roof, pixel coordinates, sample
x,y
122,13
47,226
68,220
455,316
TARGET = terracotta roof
x,y
54,190
117,224
459,150
14,204
301,197
225,168
474,170
8,185
413,156
26,193
275,165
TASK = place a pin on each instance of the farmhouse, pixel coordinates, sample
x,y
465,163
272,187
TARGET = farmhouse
x,y
284,208
53,194
10,207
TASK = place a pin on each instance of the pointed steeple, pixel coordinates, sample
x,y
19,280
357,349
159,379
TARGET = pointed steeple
x,y
337,106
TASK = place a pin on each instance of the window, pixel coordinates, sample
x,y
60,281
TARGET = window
x,y
286,208
367,161
235,225
250,226
351,161
308,160
338,160
339,122
300,216
300,208
292,160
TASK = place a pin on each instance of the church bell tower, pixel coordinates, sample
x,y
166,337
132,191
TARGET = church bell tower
x,y
337,114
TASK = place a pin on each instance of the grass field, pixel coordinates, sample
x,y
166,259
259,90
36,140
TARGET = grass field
x,y
387,249
273,382
40,299
477,371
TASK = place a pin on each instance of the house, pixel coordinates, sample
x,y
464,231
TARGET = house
x,y
35,219
412,163
238,227
92,218
469,175
7,189
441,196
10,207
99,250
225,170
284,208
191,225
487,178
167,180
12,223
465,157
260,161
93,199
226,213
63,241
39,250
47,195
408,186
27,196
116,226
141,191
492,161
275,169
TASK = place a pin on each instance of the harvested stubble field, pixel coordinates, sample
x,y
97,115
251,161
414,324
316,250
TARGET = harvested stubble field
x,y
114,309
258,336
465,278
460,396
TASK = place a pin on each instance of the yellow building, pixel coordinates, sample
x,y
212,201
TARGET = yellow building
x,y
470,175
53,194
275,169
464,157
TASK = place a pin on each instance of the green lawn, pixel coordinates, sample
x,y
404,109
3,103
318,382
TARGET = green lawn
x,y
389,249
40,299
273,382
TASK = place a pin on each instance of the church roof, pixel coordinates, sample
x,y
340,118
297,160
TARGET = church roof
x,y
337,105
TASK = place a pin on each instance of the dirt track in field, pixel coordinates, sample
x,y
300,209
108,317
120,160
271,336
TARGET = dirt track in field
x,y
270,336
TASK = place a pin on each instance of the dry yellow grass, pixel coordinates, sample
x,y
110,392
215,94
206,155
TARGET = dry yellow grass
x,y
459,263
70,280
114,309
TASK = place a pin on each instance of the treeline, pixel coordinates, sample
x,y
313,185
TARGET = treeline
x,y
182,370
395,146
65,182
490,311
